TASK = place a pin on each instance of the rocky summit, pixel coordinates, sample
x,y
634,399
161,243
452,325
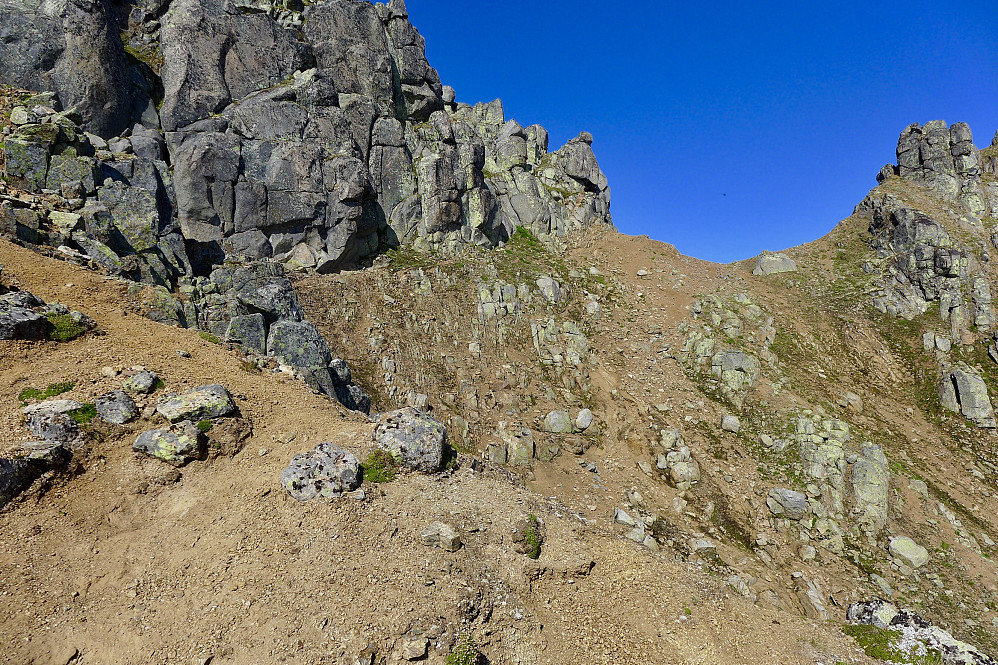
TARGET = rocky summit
x,y
306,361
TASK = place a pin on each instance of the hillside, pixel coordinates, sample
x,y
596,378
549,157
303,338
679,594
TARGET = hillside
x,y
265,226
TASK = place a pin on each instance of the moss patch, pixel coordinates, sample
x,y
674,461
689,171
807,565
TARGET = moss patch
x,y
465,652
64,328
380,467
84,414
208,337
53,390
533,537
880,644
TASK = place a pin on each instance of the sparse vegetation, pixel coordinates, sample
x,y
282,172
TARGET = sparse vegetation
x,y
533,537
882,645
29,394
465,652
64,328
208,337
204,426
379,467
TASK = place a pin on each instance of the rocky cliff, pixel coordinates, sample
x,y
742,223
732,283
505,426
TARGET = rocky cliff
x,y
316,134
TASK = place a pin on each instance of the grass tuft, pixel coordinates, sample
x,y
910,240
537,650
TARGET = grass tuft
x,y
53,390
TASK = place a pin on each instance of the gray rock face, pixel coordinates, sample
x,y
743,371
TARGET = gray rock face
x,y
212,57
203,403
70,47
772,264
963,390
116,407
417,440
325,472
249,331
299,343
35,459
56,427
179,444
870,483
787,503
518,443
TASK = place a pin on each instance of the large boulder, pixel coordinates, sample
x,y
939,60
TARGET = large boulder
x,y
325,472
415,439
203,403
70,47
962,389
299,344
773,264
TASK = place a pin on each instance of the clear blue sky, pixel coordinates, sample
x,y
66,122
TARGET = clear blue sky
x,y
725,128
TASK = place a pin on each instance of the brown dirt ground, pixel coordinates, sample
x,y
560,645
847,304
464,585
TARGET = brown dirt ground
x,y
128,563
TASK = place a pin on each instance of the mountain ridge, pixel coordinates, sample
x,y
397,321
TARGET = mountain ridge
x,y
609,450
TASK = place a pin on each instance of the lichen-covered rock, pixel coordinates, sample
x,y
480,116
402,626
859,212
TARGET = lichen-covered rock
x,y
870,483
50,426
143,381
202,403
299,344
773,264
971,394
519,447
249,331
326,471
787,504
179,444
417,440
919,635
116,407
908,551
558,422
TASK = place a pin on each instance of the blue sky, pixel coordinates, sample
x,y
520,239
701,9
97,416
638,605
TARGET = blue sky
x,y
725,128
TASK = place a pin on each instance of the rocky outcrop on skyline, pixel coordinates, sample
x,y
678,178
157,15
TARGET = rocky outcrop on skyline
x,y
315,135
